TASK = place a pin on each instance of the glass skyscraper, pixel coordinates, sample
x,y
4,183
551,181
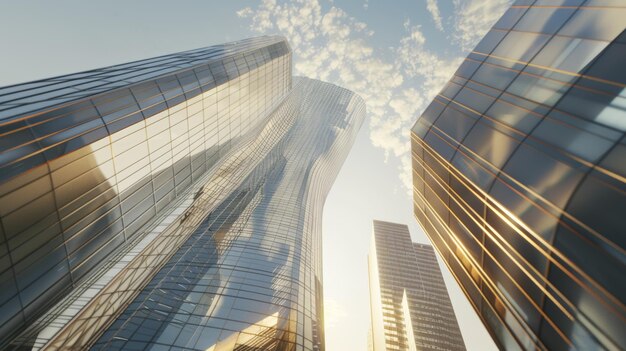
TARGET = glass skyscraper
x,y
409,302
519,176
169,203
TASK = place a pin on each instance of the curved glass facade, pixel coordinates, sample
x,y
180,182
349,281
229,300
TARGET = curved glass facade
x,y
519,177
196,179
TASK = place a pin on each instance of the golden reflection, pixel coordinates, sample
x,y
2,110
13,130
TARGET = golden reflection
x,y
487,283
464,150
547,247
501,242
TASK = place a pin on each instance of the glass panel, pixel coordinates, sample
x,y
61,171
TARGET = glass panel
x,y
489,41
519,46
614,161
440,144
509,18
544,20
467,68
432,112
595,23
454,123
24,195
450,90
421,128
118,110
559,131
89,133
496,324
610,65
554,180
518,117
541,220
606,219
504,272
494,75
476,171
474,100
205,78
590,310
538,89
149,97
171,90
606,109
492,145
569,54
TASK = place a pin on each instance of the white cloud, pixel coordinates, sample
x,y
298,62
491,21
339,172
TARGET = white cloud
x,y
473,18
417,61
245,12
397,83
433,8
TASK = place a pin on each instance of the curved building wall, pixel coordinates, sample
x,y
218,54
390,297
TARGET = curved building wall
x,y
519,176
88,161
249,276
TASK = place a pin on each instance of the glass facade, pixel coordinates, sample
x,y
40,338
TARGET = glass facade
x,y
519,175
169,203
409,302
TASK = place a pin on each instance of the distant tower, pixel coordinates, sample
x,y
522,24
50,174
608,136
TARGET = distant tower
x,y
409,303
519,174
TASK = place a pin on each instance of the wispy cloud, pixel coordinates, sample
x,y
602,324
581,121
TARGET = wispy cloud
x,y
433,8
416,60
396,82
473,18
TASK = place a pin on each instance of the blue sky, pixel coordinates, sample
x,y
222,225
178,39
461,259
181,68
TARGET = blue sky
x,y
397,54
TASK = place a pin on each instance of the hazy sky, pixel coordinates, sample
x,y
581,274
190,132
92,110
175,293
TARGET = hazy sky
x,y
397,54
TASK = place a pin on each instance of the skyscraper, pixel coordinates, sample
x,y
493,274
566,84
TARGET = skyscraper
x,y
409,303
170,202
519,176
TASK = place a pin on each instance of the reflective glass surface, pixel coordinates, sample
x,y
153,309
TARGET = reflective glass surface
x,y
147,174
528,212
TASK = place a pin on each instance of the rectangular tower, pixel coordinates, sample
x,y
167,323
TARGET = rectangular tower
x,y
410,306
520,180
170,202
